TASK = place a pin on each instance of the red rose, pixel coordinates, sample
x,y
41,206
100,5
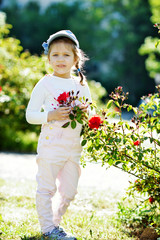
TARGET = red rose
x,y
151,199
94,122
62,98
136,143
0,88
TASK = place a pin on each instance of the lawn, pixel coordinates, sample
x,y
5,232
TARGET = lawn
x,y
92,215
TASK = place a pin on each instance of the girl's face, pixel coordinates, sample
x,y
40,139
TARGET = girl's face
x,y
61,58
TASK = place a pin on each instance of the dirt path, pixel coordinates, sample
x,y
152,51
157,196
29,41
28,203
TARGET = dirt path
x,y
23,166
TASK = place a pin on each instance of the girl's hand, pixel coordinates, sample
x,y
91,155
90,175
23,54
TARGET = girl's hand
x,y
59,114
83,107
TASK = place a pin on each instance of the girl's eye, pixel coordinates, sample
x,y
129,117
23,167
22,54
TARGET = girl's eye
x,y
55,55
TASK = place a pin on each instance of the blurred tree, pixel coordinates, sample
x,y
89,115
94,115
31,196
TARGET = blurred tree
x,y
125,25
19,72
110,32
148,47
27,24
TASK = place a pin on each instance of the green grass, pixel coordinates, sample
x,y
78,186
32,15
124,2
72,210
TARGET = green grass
x,y
90,215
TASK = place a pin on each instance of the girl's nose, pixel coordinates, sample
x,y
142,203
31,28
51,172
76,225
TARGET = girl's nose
x,y
60,58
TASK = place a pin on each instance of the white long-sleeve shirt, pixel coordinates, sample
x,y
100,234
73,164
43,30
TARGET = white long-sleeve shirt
x,y
43,94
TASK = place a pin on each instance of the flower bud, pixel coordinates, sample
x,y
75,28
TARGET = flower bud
x,y
119,88
151,200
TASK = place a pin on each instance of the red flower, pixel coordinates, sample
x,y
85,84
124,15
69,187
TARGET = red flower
x,y
94,122
151,200
62,98
119,88
136,143
0,88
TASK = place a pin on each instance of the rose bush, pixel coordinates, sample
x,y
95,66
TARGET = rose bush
x,y
133,147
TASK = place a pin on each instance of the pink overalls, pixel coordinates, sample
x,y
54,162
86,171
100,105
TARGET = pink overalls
x,y
59,151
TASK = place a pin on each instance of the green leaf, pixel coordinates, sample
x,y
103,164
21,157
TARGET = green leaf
x,y
73,124
79,115
117,113
140,156
71,116
80,99
120,123
135,110
80,121
83,142
117,104
97,141
157,43
125,105
110,162
127,126
90,149
66,124
74,111
129,108
118,162
109,104
89,144
97,147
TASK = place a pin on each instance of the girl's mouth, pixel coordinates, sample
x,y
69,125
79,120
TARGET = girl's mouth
x,y
61,65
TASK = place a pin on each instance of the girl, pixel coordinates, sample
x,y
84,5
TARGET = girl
x,y
59,149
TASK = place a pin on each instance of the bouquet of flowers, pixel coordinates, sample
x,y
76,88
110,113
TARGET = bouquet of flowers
x,y
68,99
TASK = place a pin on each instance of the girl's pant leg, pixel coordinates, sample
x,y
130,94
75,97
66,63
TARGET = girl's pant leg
x,y
68,181
46,178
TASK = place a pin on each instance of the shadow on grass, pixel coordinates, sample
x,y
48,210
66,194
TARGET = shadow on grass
x,y
36,237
